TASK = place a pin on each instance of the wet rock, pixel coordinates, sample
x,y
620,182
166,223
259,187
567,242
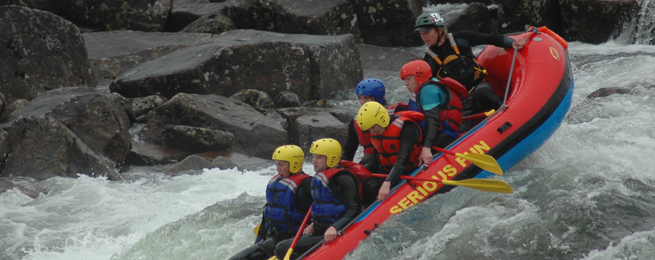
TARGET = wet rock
x,y
241,161
193,164
604,92
137,107
385,59
311,66
254,133
212,23
41,147
147,154
388,22
305,125
287,99
95,117
27,36
196,139
255,98
475,17
142,15
325,17
112,53
594,21
186,12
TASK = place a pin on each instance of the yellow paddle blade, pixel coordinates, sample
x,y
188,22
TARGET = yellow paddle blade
x,y
273,258
256,230
488,185
485,162
288,256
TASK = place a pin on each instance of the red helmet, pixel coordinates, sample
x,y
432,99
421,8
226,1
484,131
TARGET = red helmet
x,y
419,68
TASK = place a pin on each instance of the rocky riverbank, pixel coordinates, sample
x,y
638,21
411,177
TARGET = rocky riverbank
x,y
95,88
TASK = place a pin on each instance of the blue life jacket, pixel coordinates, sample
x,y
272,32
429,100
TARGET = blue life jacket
x,y
327,208
281,215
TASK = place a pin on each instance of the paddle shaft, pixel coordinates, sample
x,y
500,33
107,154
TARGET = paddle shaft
x,y
488,185
298,234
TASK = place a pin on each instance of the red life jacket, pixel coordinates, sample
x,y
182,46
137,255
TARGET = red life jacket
x,y
364,137
388,144
450,114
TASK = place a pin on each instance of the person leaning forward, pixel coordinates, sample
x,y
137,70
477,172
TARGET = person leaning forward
x,y
396,138
288,198
440,102
336,193
451,55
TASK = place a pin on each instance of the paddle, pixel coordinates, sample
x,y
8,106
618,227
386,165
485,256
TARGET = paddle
x,y
256,229
483,161
479,115
488,185
298,234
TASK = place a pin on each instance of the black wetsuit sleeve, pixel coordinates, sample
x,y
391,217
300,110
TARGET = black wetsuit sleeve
x,y
352,143
304,195
346,187
478,38
409,137
432,126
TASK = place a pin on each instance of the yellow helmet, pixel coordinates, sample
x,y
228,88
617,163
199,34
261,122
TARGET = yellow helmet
x,y
372,113
292,154
328,147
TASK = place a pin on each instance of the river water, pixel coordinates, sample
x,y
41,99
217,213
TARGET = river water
x,y
587,193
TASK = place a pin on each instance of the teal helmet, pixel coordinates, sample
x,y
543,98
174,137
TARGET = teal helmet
x,y
427,21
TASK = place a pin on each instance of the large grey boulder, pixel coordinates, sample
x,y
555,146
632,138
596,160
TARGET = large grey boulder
x,y
114,52
254,133
142,15
41,147
39,51
96,118
388,22
311,66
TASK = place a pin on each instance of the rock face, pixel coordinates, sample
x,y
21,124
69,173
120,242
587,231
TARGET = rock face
x,y
254,134
311,66
96,118
143,15
28,36
388,22
41,147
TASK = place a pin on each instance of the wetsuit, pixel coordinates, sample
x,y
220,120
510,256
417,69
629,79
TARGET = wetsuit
x,y
443,113
343,186
410,138
267,239
482,97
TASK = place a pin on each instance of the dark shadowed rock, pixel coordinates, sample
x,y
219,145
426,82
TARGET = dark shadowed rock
x,y
43,5
146,154
287,99
594,21
388,22
305,125
386,59
211,23
325,17
141,15
241,161
137,107
196,139
254,133
255,98
604,92
193,164
311,66
27,37
320,125
95,117
40,147
112,53
185,12
475,17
